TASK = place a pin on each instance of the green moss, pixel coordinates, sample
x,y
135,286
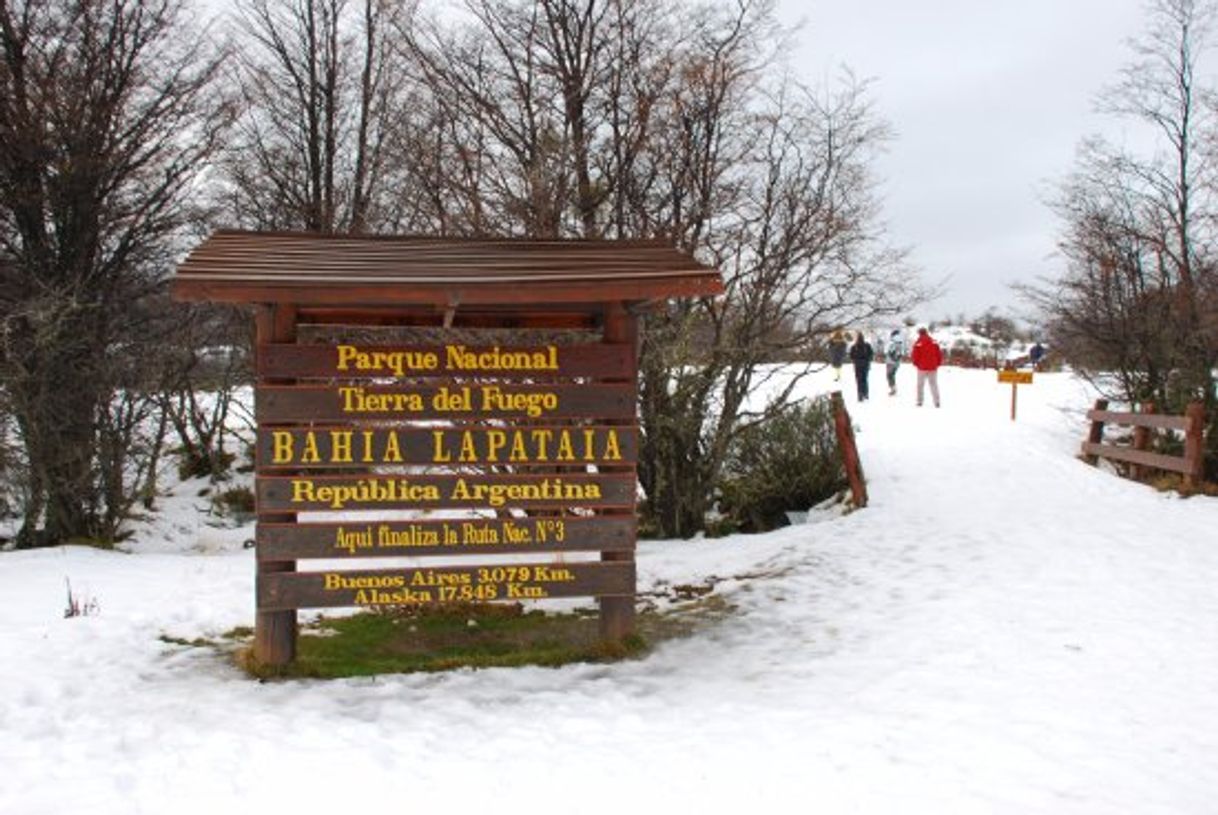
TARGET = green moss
x,y
197,642
439,639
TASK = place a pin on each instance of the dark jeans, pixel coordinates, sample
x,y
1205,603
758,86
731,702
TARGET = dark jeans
x,y
860,378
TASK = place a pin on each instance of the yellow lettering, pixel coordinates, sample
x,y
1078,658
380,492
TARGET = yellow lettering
x,y
496,440
469,451
310,454
346,353
518,452
565,453
439,453
303,491
542,439
340,446
613,452
282,447
392,452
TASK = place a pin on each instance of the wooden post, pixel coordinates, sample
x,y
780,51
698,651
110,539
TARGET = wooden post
x,y
1096,436
617,613
850,451
1014,392
1194,444
275,631
1141,440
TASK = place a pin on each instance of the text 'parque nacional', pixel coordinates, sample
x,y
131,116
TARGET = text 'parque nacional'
x,y
453,358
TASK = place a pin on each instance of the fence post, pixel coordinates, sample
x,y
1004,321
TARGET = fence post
x,y
1096,436
1194,444
850,451
1141,439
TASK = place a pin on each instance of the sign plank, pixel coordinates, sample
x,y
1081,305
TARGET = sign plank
x,y
1006,375
596,360
473,490
444,446
458,536
443,584
486,400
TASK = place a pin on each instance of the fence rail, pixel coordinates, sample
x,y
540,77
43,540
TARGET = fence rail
x,y
1192,423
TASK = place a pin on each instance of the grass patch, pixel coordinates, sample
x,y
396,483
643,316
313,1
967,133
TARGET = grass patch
x,y
1172,482
197,642
405,640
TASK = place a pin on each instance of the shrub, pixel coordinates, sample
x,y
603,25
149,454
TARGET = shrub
x,y
788,463
236,501
203,464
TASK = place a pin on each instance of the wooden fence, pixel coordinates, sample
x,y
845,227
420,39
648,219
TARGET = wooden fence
x,y
1144,423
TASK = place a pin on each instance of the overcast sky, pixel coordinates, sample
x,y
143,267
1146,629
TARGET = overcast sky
x,y
989,99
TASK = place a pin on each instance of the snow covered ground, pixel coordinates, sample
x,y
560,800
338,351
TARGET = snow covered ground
x,y
1003,630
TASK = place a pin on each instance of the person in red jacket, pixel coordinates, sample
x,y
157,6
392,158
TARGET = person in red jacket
x,y
927,357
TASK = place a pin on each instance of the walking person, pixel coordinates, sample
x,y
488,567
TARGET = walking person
x,y
1035,355
927,356
837,354
894,352
861,355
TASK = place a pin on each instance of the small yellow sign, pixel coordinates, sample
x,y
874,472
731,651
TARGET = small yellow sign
x,y
1015,377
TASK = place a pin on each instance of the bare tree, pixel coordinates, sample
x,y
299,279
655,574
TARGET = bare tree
x,y
323,104
802,251
204,363
630,119
1134,309
106,117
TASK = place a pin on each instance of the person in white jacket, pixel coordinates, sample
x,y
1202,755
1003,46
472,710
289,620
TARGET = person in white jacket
x,y
894,352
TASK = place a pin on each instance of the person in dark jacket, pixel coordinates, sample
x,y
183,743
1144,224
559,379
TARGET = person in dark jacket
x,y
837,354
927,356
1035,355
861,355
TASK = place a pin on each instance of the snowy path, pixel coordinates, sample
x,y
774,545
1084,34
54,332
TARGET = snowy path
x,y
1003,630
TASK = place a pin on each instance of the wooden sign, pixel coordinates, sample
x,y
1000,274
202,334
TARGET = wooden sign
x,y
443,584
487,400
477,431
469,491
522,447
525,446
597,360
1014,377
514,415
462,536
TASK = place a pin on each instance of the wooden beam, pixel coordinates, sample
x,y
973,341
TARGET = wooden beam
x,y
617,613
1127,419
275,631
1175,464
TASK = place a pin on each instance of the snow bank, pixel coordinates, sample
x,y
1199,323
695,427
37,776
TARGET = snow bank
x,y
1003,630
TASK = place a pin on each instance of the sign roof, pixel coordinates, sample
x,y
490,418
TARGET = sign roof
x,y
305,268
